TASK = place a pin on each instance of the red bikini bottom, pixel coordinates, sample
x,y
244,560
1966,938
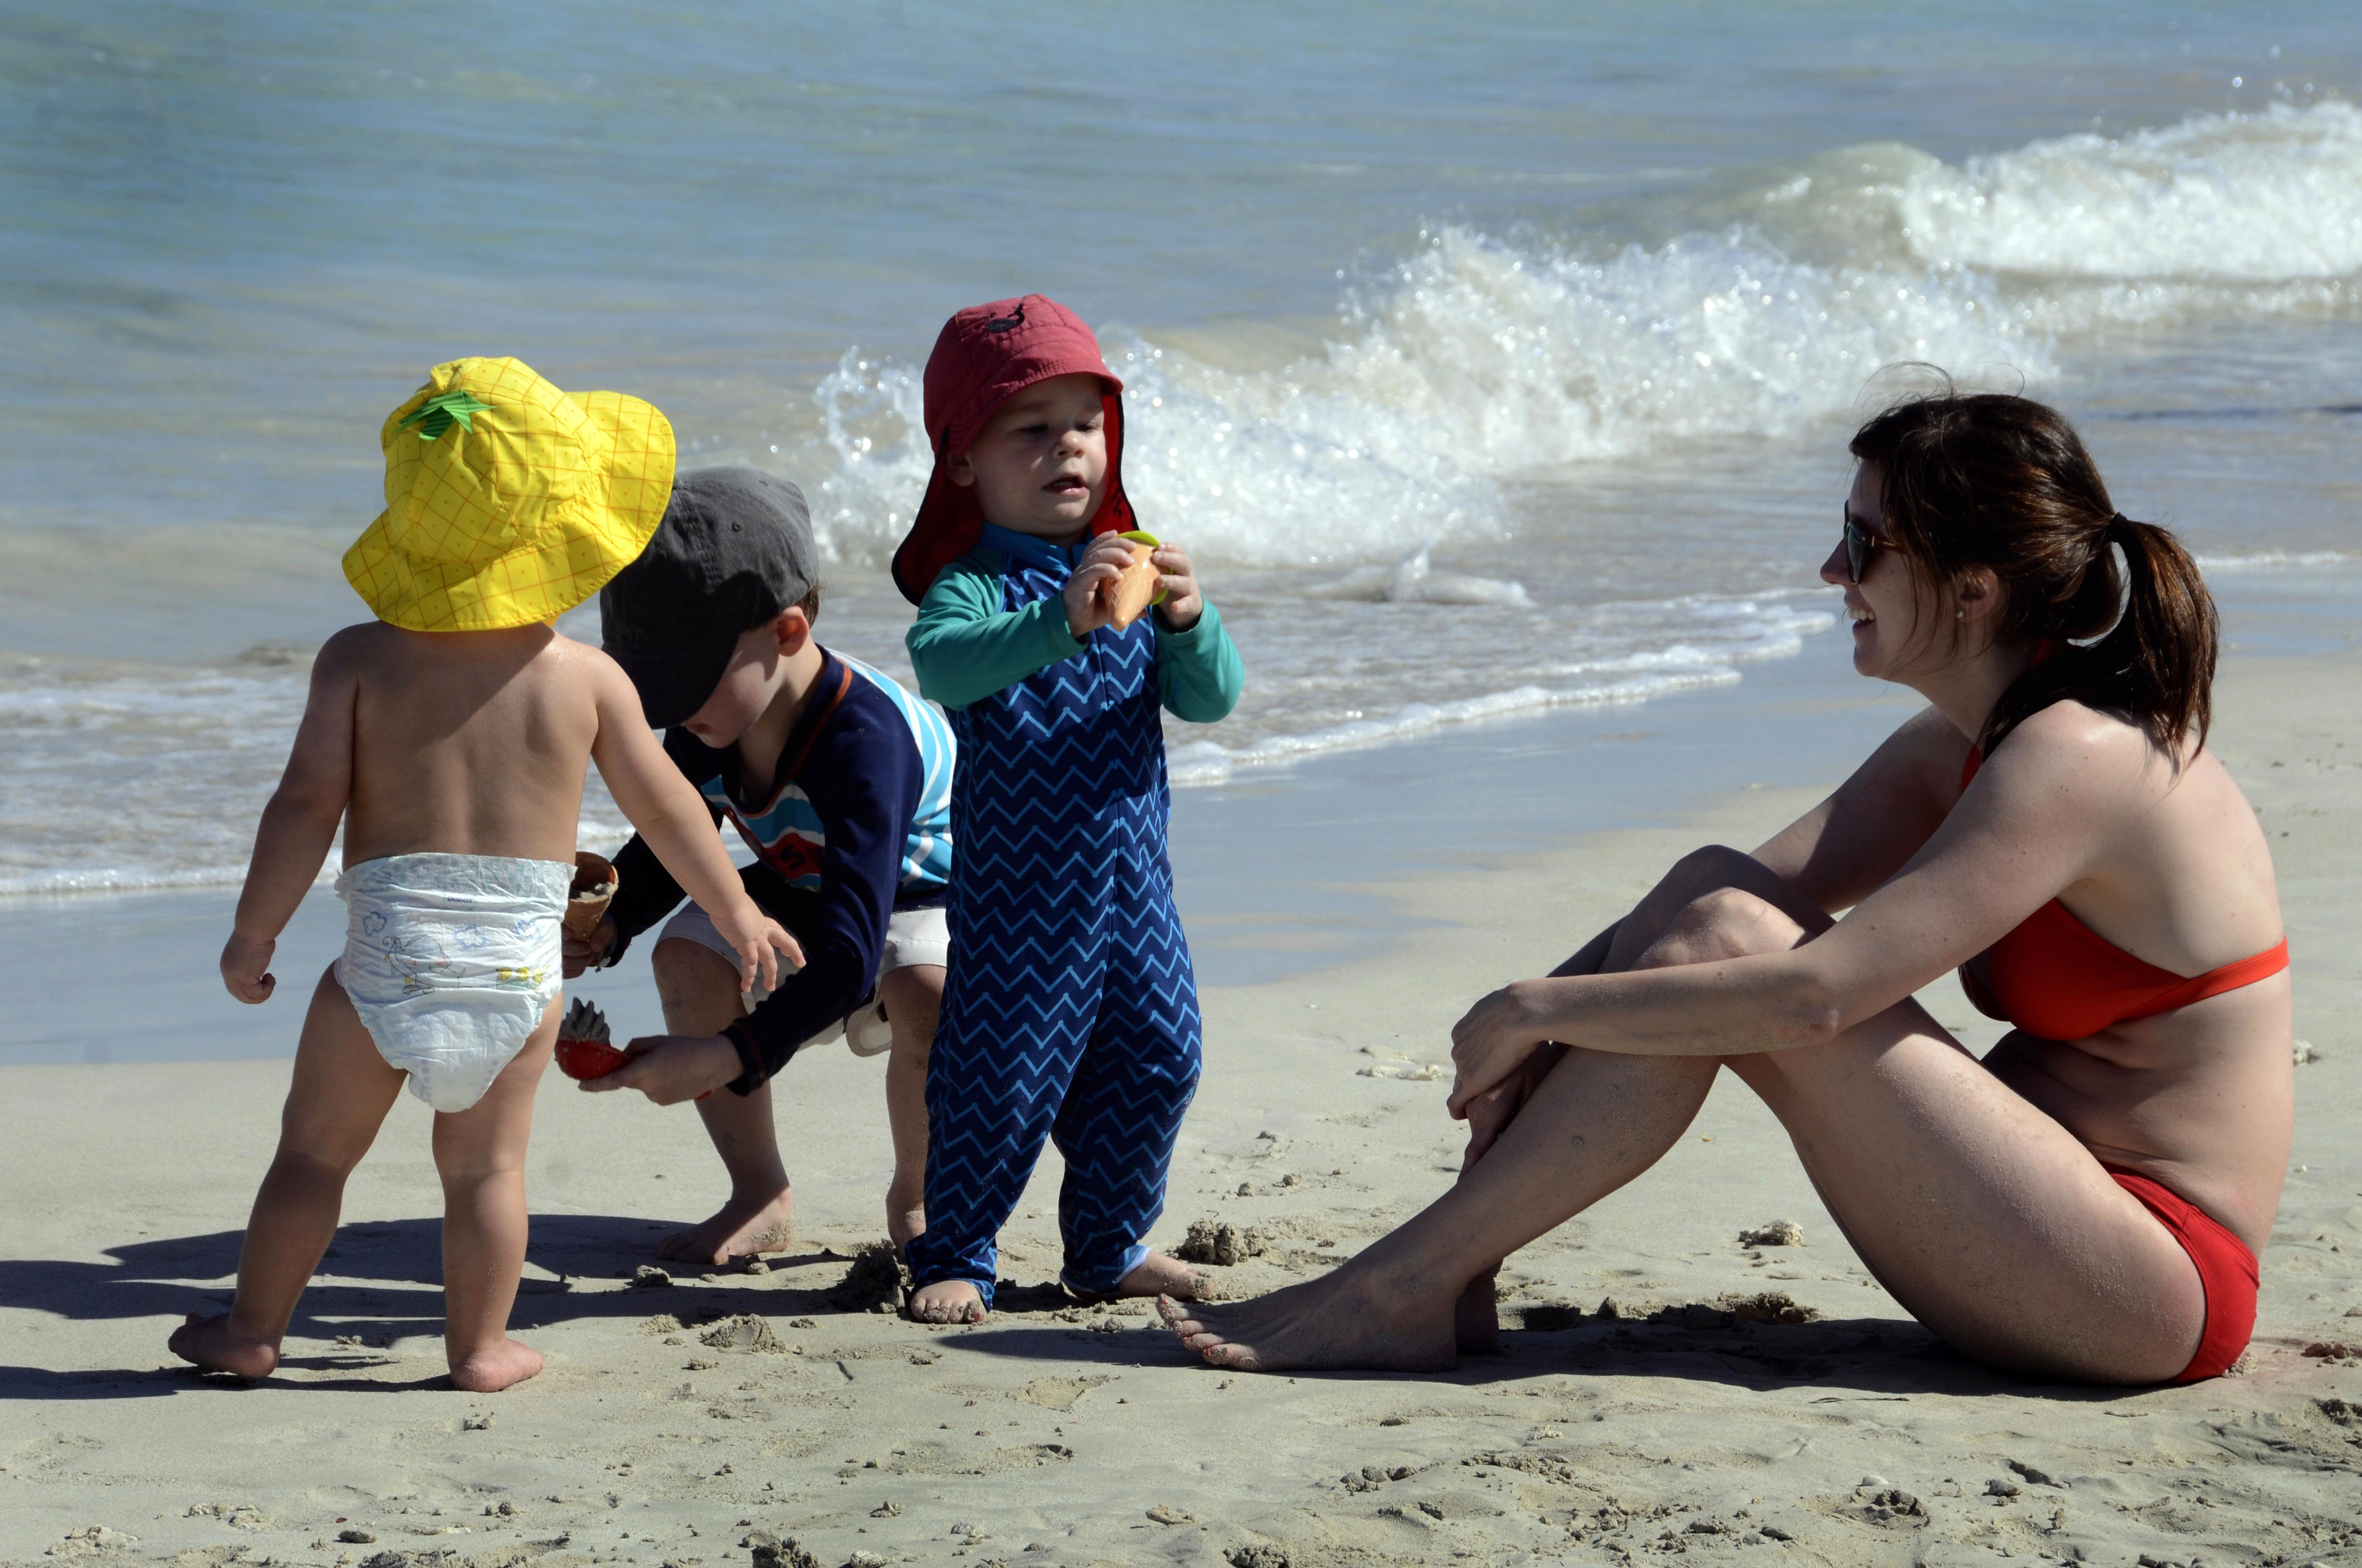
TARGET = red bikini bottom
x,y
2226,1271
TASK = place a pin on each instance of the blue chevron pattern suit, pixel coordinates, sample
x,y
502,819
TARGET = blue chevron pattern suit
x,y
1071,1009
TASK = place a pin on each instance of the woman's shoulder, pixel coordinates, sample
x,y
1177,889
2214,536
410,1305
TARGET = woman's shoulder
x,y
2077,756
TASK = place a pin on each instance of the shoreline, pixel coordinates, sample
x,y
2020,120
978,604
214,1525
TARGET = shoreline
x,y
1277,870
657,1436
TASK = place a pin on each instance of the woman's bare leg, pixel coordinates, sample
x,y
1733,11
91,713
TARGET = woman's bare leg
x,y
480,1153
338,1097
1982,1215
699,991
1596,1121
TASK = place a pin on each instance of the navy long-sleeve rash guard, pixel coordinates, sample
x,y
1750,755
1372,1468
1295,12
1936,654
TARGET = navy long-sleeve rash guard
x,y
855,815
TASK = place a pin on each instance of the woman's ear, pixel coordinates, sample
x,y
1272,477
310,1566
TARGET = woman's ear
x,y
1976,594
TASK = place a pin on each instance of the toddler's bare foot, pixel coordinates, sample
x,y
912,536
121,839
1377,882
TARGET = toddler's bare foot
x,y
743,1227
1337,1321
906,1214
211,1344
1160,1276
947,1301
495,1367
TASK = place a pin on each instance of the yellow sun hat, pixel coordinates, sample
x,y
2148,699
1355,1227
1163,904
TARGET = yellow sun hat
x,y
508,501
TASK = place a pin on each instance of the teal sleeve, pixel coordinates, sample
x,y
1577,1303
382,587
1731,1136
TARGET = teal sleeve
x,y
1198,672
964,647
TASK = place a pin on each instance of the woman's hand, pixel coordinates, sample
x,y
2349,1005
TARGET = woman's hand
x,y
1490,1113
669,1069
1492,1039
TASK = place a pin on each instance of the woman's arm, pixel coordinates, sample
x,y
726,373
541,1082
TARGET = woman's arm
x,y
2034,824
1853,843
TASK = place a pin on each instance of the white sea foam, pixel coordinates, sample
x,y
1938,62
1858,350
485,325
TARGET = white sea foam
x,y
1209,762
1477,359
1454,381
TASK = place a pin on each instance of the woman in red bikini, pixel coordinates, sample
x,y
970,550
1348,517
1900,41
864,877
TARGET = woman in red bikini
x,y
2086,1202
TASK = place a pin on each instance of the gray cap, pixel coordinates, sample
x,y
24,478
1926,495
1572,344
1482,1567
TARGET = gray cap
x,y
734,548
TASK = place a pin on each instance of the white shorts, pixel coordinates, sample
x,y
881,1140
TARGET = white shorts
x,y
912,937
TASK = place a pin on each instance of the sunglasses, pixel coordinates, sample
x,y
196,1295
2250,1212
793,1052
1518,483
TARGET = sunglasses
x,y
1859,542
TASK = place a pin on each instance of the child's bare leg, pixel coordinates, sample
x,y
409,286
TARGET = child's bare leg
x,y
699,991
336,1099
479,1153
914,1000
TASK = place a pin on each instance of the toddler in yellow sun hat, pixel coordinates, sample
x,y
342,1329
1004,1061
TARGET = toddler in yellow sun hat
x,y
449,737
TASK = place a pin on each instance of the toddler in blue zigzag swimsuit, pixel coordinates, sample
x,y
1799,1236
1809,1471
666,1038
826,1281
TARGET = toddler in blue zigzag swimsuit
x,y
1070,1011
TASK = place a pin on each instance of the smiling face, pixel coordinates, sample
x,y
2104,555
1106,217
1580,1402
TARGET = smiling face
x,y
1040,465
1891,608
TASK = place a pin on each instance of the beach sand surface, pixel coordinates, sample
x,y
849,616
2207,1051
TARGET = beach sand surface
x,y
719,1417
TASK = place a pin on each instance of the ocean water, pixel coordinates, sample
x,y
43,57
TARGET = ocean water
x,y
1490,361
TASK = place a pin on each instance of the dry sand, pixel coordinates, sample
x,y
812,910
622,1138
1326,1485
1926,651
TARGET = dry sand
x,y
694,1423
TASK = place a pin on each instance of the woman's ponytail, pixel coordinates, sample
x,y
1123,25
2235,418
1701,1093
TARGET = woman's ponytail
x,y
2004,483
2157,663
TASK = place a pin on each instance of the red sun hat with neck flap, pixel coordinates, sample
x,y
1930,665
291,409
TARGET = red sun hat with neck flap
x,y
985,355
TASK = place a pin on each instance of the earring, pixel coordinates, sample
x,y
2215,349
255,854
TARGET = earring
x,y
1959,614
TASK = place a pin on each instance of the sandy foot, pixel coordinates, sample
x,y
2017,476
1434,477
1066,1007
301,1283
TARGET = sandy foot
x,y
1333,1321
744,1227
495,1367
209,1342
947,1301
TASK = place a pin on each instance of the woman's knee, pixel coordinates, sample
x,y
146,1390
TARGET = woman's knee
x,y
1724,922
1703,871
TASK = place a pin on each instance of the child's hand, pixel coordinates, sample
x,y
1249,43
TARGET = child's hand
x,y
577,956
1087,611
760,942
246,967
669,1069
1182,604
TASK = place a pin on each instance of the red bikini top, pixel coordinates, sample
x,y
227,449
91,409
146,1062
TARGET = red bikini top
x,y
2055,977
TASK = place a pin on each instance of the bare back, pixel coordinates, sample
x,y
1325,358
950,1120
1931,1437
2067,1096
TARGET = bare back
x,y
468,743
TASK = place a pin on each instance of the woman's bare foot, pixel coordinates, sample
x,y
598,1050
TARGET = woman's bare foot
x,y
906,1212
212,1344
1160,1276
947,1301
1336,1320
495,1367
744,1227
1477,1315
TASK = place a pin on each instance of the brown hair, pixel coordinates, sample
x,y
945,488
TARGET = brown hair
x,y
1987,479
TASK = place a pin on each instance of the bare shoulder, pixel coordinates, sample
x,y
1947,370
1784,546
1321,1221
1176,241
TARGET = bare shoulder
x,y
354,651
580,661
588,674
1924,757
2074,755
